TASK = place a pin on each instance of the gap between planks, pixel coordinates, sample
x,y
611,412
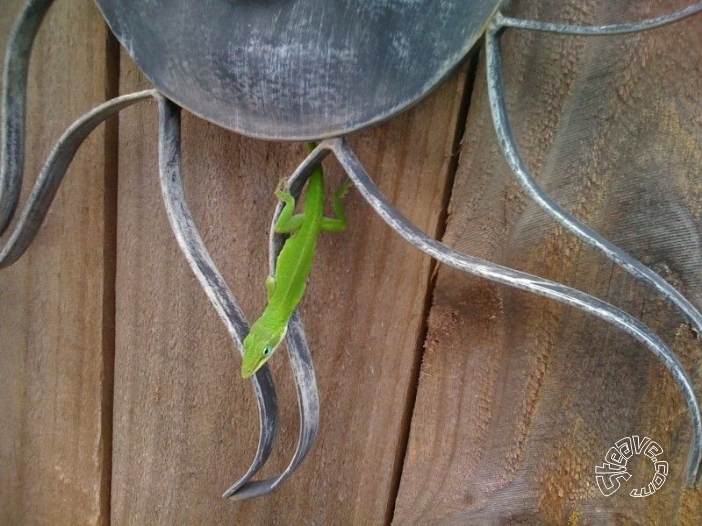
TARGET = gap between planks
x,y
109,307
411,398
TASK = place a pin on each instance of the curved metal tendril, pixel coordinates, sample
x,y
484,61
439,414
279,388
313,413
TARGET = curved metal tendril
x,y
523,281
52,174
14,99
11,168
210,279
229,311
528,181
301,363
613,29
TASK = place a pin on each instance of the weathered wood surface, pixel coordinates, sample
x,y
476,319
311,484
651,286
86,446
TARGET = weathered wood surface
x,y
519,398
56,327
185,423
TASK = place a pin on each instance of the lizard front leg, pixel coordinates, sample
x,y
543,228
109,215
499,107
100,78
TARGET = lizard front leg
x,y
338,223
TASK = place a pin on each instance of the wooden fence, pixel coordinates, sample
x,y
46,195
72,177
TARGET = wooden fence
x,y
446,399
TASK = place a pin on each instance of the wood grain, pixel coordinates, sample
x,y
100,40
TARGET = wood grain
x,y
185,422
519,398
56,334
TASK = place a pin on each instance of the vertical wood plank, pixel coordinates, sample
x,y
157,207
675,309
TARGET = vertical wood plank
x,y
185,422
56,331
520,398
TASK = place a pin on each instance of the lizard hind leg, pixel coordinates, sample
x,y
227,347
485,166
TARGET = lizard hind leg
x,y
342,191
287,220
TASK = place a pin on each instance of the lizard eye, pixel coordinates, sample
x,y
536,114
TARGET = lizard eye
x,y
266,351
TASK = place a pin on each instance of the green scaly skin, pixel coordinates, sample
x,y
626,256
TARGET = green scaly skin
x,y
287,288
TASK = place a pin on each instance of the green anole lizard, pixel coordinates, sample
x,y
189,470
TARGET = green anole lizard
x,y
287,287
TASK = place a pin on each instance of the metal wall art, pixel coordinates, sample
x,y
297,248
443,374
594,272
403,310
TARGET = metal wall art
x,y
309,70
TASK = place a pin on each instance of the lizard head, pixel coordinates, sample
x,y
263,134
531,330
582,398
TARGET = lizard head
x,y
259,346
